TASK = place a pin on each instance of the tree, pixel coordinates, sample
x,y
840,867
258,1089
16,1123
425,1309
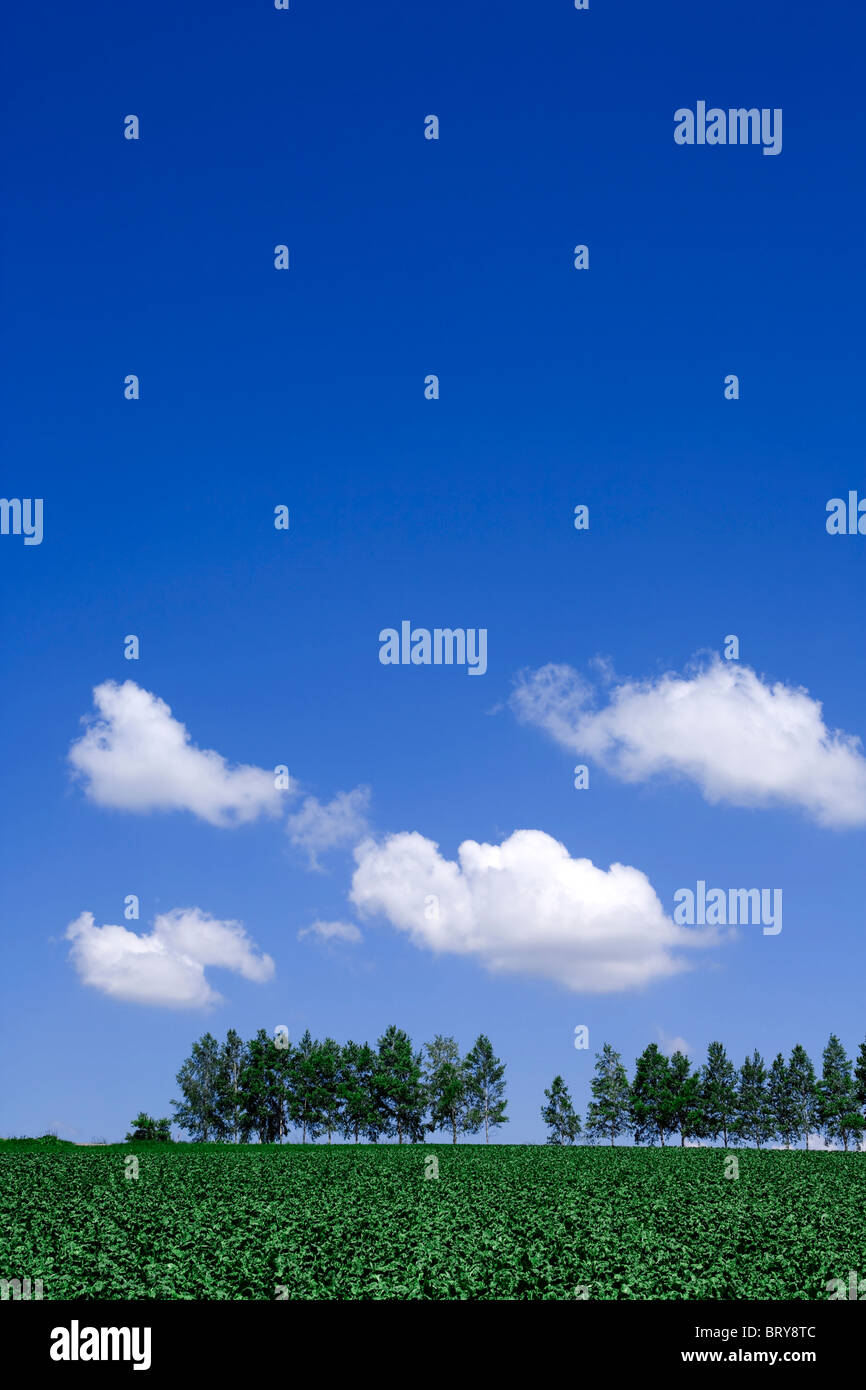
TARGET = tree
x,y
860,1076
719,1092
610,1108
400,1097
559,1114
445,1081
303,1111
753,1107
652,1101
686,1104
357,1092
199,1111
804,1093
783,1115
262,1090
326,1099
144,1127
837,1096
485,1087
229,1101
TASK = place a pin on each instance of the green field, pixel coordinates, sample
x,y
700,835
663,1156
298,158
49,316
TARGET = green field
x,y
506,1222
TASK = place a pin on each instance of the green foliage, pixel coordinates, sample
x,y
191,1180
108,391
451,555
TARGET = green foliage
x,y
445,1081
784,1117
686,1106
652,1097
610,1107
144,1127
754,1121
485,1088
860,1076
837,1096
559,1114
199,1112
359,1117
398,1089
718,1093
234,1222
803,1093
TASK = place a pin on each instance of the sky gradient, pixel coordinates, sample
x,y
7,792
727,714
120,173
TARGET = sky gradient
x,y
305,388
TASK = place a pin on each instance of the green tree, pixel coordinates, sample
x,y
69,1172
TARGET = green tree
x,y
559,1114
445,1082
652,1099
719,1092
783,1116
199,1111
229,1101
145,1127
837,1096
400,1097
753,1106
860,1076
485,1087
609,1110
686,1107
262,1091
804,1092
326,1064
304,1113
357,1089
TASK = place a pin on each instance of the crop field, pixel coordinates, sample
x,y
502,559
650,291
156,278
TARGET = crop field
x,y
375,1222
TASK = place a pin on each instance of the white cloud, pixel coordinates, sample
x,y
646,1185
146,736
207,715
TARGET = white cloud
x,y
332,931
342,821
525,907
740,739
135,756
166,966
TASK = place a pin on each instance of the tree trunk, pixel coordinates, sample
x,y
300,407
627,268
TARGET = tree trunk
x,y
454,1129
486,1133
682,1140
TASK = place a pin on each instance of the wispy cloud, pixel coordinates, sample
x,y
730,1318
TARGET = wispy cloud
x,y
737,737
341,822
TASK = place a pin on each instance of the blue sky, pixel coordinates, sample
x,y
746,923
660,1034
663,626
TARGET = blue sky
x,y
306,388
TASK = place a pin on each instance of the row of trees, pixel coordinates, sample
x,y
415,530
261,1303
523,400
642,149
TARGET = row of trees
x,y
754,1104
267,1087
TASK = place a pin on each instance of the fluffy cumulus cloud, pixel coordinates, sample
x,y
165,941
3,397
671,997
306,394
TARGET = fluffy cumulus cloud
x,y
136,756
329,932
318,827
525,907
740,739
165,967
